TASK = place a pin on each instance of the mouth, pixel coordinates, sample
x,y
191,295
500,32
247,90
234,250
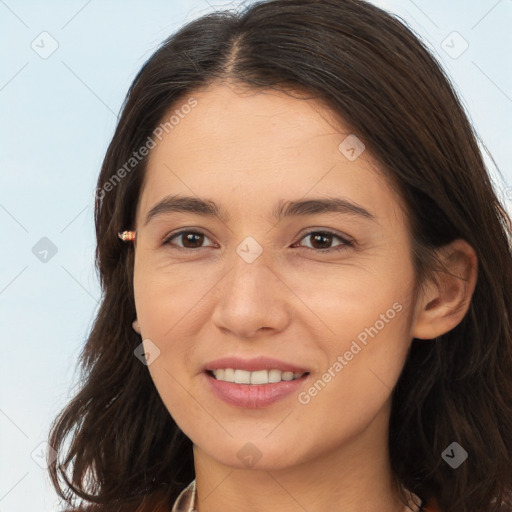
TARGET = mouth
x,y
257,377
254,389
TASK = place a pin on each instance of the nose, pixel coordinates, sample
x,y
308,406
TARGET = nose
x,y
252,300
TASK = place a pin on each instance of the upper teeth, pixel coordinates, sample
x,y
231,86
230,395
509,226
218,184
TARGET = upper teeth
x,y
257,377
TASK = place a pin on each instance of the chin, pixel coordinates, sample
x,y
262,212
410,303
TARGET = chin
x,y
258,454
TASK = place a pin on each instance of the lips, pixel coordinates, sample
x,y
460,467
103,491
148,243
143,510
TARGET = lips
x,y
255,393
253,396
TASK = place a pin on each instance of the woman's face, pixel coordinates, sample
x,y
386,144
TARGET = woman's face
x,y
257,283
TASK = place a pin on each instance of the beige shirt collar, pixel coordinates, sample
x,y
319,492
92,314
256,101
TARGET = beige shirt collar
x,y
186,501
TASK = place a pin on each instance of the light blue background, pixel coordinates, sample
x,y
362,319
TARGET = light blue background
x,y
57,117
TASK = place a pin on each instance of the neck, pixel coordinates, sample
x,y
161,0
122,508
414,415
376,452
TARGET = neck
x,y
352,477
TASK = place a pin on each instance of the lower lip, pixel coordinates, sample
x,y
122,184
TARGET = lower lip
x,y
254,396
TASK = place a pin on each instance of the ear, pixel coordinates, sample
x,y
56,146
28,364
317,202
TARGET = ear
x,y
136,326
441,306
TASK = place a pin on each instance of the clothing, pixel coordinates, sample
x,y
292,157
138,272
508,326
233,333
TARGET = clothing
x,y
186,501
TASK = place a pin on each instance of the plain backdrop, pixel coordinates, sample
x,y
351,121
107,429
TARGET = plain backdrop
x,y
65,69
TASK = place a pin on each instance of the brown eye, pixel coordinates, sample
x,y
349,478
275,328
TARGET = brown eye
x,y
190,239
322,241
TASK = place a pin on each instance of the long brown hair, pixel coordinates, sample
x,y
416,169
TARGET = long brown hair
x,y
118,446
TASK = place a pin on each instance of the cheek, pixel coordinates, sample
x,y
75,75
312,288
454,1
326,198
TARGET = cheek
x,y
166,309
168,299
170,304
364,364
346,302
367,318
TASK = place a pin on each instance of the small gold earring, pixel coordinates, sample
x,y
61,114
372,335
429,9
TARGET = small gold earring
x,y
127,236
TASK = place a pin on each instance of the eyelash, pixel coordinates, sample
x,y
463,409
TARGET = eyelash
x,y
344,246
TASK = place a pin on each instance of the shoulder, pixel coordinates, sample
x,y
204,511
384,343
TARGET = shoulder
x,y
432,506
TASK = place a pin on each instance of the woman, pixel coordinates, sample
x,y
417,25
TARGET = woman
x,y
306,277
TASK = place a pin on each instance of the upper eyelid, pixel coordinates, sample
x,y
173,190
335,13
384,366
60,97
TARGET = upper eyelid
x,y
180,232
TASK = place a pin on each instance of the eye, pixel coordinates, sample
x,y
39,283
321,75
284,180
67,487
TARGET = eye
x,y
325,238
191,239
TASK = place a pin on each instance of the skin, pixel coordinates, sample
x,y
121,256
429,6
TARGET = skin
x,y
247,150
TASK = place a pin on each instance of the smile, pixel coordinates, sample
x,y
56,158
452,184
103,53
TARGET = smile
x,y
256,390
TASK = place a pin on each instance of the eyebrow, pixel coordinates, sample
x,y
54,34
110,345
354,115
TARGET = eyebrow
x,y
208,208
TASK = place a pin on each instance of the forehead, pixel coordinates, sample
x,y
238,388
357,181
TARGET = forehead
x,y
242,118
252,148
